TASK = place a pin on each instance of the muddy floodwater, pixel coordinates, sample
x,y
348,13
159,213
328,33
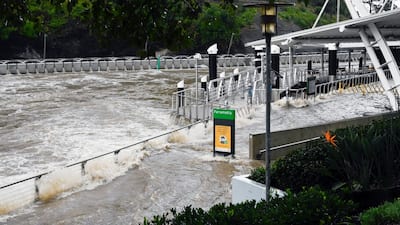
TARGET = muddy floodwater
x,y
49,121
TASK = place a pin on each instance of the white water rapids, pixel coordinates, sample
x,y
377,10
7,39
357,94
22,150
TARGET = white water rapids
x,y
49,121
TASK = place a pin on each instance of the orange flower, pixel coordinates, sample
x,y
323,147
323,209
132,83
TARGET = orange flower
x,y
331,139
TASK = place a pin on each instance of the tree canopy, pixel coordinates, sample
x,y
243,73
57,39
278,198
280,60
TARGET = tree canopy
x,y
173,24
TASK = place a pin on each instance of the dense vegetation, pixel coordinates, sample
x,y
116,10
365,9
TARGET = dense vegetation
x,y
172,24
176,25
311,206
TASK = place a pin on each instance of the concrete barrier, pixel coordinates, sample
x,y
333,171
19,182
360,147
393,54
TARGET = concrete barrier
x,y
85,65
137,64
278,138
77,65
169,64
12,67
112,65
109,64
103,65
145,64
162,64
129,64
21,67
49,65
192,63
3,69
153,64
176,64
185,64
68,66
41,67
120,64
59,66
220,62
94,65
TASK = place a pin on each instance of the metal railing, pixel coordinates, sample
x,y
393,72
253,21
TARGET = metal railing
x,y
219,92
128,63
365,83
29,190
317,58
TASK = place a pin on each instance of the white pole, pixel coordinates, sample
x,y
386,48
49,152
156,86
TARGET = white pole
x,y
44,45
197,56
197,90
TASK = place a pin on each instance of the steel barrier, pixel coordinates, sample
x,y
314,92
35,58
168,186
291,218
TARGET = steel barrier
x,y
47,185
133,63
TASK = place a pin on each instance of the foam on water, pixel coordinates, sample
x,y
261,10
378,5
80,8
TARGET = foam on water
x,y
57,182
51,121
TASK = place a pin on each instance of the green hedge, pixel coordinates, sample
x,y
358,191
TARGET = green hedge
x,y
387,214
302,168
311,206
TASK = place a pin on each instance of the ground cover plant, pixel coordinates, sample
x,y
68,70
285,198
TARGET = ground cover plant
x,y
386,214
310,206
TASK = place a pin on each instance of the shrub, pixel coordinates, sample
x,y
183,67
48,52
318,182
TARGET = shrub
x,y
258,175
302,168
311,206
387,214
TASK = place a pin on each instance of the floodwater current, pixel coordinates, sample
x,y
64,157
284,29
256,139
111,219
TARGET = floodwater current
x,y
49,121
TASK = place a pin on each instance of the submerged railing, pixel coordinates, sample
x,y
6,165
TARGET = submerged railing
x,y
47,185
219,92
365,83
128,63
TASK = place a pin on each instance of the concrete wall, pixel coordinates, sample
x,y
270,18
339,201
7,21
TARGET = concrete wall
x,y
278,138
244,189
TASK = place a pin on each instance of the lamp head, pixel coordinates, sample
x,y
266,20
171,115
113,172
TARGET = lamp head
x,y
268,18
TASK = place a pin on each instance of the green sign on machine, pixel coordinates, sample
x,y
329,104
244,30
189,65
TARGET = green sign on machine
x,y
224,114
224,131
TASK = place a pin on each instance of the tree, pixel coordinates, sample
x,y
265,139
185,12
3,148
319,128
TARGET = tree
x,y
216,24
167,22
12,16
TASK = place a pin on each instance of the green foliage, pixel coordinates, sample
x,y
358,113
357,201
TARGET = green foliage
x,y
81,10
368,157
47,15
311,206
302,168
304,16
29,29
386,214
258,175
12,16
216,24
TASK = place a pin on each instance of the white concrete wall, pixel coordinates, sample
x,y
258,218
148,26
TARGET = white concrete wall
x,y
244,189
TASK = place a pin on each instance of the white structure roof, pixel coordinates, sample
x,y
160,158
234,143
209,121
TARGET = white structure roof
x,y
346,31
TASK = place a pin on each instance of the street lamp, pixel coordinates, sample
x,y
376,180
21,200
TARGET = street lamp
x,y
268,11
268,28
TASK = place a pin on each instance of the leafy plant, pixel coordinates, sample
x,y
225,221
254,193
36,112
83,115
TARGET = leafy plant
x,y
258,175
387,214
367,157
311,206
302,168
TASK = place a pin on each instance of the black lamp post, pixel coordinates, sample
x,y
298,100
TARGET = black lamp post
x,y
268,11
268,28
